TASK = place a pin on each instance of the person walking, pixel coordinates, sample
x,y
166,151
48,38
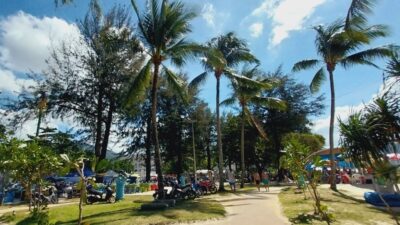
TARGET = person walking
x,y
256,177
231,180
265,180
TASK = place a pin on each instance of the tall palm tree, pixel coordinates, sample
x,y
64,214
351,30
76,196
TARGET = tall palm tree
x,y
223,53
250,93
162,28
336,46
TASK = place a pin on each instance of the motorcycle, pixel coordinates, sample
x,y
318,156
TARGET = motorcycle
x,y
208,187
174,191
171,191
39,199
97,196
197,188
187,191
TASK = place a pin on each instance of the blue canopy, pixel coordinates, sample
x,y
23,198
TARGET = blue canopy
x,y
338,157
86,171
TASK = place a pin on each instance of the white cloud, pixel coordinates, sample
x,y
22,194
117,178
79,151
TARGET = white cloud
x,y
26,40
214,18
286,16
256,29
11,83
208,14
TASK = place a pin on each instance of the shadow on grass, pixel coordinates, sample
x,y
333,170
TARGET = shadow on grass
x,y
7,218
345,196
130,213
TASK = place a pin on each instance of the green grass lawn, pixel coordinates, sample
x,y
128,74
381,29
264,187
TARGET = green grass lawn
x,y
346,209
127,212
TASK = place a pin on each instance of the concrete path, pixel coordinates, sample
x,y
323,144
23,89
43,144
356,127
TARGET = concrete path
x,y
250,208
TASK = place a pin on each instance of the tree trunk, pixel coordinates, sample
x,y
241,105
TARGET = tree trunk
x,y
39,122
148,149
104,145
82,194
208,154
157,155
242,149
331,127
219,141
178,149
99,123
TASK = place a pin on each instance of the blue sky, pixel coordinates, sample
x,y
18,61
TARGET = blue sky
x,y
278,32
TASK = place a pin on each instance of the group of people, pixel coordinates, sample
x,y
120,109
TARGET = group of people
x,y
264,179
256,178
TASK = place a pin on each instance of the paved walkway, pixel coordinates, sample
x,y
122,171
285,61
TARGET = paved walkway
x,y
252,207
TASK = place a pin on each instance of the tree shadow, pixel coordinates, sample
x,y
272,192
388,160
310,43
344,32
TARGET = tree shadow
x,y
345,196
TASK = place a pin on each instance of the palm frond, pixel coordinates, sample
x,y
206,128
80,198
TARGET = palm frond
x,y
356,14
228,102
245,80
139,85
393,67
140,22
317,80
198,80
234,50
213,59
182,50
305,64
269,102
365,57
176,83
256,124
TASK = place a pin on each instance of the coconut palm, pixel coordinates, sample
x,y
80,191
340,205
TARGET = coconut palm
x,y
162,28
222,53
247,94
393,69
335,46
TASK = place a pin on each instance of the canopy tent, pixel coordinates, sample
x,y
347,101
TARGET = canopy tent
x,y
87,172
341,162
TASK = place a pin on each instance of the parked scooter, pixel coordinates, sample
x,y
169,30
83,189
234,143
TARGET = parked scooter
x,y
208,187
40,199
170,192
197,188
97,196
174,191
187,191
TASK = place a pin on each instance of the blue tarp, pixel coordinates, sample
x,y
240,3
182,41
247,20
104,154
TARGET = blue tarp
x,y
338,157
87,172
373,198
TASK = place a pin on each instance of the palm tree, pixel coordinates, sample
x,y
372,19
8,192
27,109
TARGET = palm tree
x,y
221,54
336,46
162,29
393,69
246,94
